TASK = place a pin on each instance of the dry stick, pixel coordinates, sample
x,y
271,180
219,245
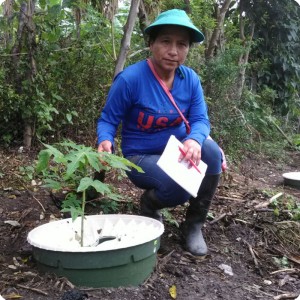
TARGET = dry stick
x,y
285,271
268,202
254,257
32,289
161,262
103,197
229,198
281,131
296,223
286,296
218,219
41,205
270,210
25,213
31,194
242,221
165,259
250,289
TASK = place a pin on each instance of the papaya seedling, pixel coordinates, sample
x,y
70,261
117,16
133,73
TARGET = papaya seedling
x,y
70,167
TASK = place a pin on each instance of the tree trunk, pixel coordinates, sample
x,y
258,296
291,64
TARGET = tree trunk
x,y
243,61
108,8
125,43
77,16
28,135
143,18
213,42
187,6
25,38
8,14
16,50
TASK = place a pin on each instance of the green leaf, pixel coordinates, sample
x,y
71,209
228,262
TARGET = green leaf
x,y
69,118
58,156
74,211
53,184
57,97
118,162
93,159
76,159
68,3
43,160
113,196
71,200
42,4
74,113
131,164
101,187
109,206
84,184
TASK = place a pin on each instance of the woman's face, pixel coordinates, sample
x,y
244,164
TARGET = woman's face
x,y
170,48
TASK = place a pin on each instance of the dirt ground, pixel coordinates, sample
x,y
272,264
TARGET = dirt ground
x,y
244,232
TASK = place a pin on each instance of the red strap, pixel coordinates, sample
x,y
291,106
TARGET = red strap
x,y
188,127
165,88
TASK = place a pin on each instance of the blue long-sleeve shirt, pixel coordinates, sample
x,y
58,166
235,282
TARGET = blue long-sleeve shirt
x,y
148,117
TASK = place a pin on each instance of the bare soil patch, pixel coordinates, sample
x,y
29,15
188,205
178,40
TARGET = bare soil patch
x,y
261,248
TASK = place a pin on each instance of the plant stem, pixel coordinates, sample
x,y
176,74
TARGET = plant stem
x,y
82,216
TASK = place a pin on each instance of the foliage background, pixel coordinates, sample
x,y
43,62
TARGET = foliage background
x,y
57,64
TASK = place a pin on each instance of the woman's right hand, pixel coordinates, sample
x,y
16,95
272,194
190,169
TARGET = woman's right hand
x,y
105,146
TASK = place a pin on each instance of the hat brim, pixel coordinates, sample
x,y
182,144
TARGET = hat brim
x,y
197,35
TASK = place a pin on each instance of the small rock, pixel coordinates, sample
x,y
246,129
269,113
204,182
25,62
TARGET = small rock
x,y
21,149
195,277
227,269
42,216
268,282
17,193
74,295
12,267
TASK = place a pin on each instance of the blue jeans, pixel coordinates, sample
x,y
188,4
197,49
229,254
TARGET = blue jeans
x,y
167,190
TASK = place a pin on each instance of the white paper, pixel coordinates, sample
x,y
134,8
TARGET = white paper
x,y
188,178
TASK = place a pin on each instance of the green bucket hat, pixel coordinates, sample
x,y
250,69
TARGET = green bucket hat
x,y
177,17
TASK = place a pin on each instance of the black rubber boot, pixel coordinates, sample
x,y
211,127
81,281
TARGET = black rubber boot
x,y
196,215
151,205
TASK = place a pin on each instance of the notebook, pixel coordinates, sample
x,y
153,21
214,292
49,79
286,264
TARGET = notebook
x,y
188,178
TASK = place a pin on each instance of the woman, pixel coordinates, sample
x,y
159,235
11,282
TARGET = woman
x,y
149,118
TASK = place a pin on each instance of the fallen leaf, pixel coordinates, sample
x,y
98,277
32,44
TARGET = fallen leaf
x,y
295,258
12,296
173,292
13,223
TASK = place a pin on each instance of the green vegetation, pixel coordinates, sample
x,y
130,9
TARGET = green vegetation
x,y
57,65
70,168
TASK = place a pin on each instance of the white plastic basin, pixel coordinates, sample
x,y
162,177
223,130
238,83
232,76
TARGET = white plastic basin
x,y
292,179
64,235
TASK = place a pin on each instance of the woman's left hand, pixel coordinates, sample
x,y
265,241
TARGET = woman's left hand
x,y
192,150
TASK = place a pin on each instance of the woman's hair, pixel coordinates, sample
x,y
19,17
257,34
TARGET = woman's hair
x,y
155,31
